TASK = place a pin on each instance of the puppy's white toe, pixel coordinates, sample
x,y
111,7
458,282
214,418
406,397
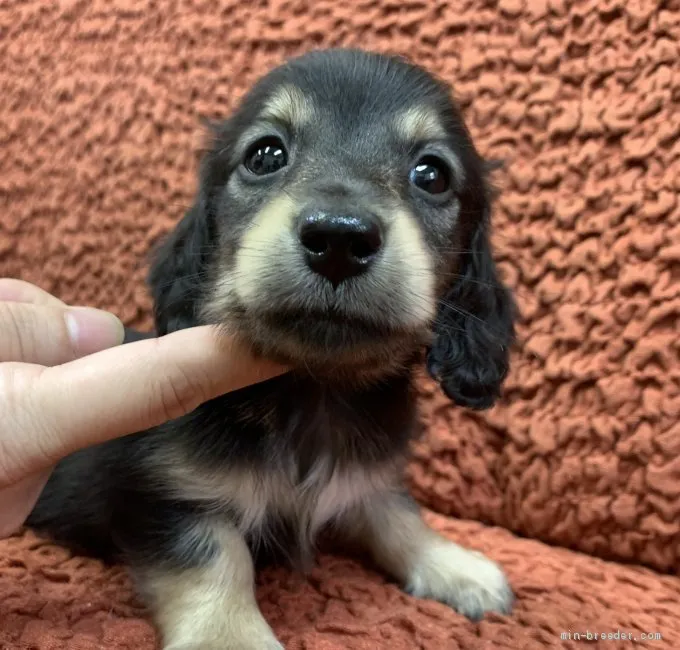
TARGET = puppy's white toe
x,y
252,644
245,639
466,580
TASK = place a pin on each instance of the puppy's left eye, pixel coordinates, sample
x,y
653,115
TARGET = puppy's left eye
x,y
265,156
431,174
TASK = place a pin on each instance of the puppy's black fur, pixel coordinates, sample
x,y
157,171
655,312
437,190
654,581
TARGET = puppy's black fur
x,y
125,499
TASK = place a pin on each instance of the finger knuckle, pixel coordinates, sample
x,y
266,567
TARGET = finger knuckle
x,y
19,344
17,421
179,393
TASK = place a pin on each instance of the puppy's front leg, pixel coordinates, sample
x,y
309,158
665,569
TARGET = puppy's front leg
x,y
392,530
211,605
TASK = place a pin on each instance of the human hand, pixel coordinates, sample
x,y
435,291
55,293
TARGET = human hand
x,y
67,383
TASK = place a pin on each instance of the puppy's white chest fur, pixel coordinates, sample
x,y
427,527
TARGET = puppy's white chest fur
x,y
255,497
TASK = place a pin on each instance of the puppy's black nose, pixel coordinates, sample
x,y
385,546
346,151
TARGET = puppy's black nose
x,y
339,246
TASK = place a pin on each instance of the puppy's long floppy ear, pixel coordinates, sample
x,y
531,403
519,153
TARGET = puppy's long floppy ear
x,y
180,265
178,270
474,329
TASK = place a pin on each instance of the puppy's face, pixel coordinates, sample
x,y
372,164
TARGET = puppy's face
x,y
343,209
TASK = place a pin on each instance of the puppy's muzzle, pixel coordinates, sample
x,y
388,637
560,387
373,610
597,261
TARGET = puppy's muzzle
x,y
339,246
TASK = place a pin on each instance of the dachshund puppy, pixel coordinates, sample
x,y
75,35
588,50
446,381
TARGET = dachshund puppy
x,y
341,227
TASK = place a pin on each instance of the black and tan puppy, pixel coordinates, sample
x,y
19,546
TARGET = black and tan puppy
x,y
341,226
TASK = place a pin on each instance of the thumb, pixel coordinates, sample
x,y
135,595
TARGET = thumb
x,y
52,334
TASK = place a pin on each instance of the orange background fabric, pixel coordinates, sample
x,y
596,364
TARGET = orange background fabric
x,y
100,129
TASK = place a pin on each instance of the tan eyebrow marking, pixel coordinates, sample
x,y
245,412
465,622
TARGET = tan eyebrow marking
x,y
289,105
419,123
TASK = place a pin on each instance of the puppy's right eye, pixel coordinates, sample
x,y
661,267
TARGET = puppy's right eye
x,y
431,175
265,156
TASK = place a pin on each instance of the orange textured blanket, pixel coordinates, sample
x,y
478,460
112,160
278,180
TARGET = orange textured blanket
x,y
100,123
51,601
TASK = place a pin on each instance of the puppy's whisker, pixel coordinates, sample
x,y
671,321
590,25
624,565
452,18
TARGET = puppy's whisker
x,y
207,247
518,343
494,286
257,256
467,314
162,311
453,251
198,275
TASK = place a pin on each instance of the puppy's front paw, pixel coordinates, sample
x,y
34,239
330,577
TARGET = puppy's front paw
x,y
466,580
231,644
255,638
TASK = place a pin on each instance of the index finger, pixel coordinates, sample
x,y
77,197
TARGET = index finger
x,y
136,386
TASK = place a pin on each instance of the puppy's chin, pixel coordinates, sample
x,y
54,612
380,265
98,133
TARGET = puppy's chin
x,y
328,345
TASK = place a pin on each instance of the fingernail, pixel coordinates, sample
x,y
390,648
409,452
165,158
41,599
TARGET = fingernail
x,y
92,330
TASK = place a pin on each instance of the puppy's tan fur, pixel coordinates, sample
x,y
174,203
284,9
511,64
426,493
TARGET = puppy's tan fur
x,y
212,607
427,564
416,124
289,106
